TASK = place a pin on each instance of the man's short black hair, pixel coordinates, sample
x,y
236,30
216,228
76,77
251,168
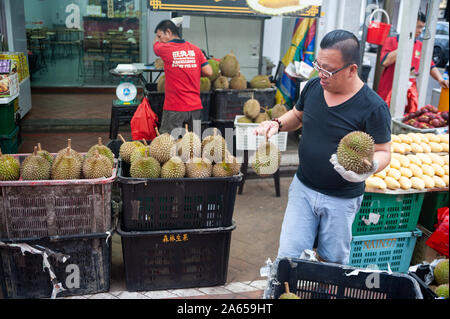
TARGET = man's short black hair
x,y
421,17
168,25
344,41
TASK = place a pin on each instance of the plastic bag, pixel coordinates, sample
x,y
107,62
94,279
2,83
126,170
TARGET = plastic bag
x,y
143,122
439,239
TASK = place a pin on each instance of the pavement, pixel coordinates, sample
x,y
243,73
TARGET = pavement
x,y
258,212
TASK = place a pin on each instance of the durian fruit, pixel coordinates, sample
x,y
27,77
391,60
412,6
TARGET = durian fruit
x,y
97,166
173,168
102,150
278,110
63,151
228,167
127,148
66,166
252,108
140,151
267,159
287,294
159,64
244,119
264,116
205,84
442,291
239,82
214,148
190,146
221,83
45,154
9,167
35,167
197,167
260,82
215,67
229,65
145,167
441,272
161,84
355,152
163,147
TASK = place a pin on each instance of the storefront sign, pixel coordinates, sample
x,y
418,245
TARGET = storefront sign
x,y
299,8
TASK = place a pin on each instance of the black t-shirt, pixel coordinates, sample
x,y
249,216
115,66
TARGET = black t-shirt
x,y
324,127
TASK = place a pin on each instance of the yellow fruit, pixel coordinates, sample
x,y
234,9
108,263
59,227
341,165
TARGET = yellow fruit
x,y
406,172
445,169
405,182
395,163
392,183
424,158
381,174
417,183
416,170
376,183
395,138
438,169
428,180
436,147
415,138
405,138
407,147
426,147
443,138
445,147
404,161
436,159
427,170
395,173
433,137
414,159
445,179
398,148
445,158
416,148
439,182
423,137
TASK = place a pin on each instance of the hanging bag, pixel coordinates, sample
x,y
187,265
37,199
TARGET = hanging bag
x,y
143,122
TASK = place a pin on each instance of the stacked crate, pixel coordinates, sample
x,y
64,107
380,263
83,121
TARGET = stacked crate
x,y
64,225
176,233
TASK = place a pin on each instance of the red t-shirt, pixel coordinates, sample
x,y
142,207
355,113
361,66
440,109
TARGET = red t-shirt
x,y
182,67
387,77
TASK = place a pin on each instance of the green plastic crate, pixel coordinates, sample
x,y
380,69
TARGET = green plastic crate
x,y
393,249
9,144
7,123
398,213
431,203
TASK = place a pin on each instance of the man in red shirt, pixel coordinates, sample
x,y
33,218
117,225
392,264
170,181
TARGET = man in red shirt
x,y
184,64
389,56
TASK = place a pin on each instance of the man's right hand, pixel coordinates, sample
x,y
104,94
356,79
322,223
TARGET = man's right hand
x,y
267,128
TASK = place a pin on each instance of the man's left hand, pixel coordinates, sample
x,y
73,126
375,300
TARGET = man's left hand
x,y
350,175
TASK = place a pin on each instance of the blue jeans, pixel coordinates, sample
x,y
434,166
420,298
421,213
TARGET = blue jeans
x,y
310,213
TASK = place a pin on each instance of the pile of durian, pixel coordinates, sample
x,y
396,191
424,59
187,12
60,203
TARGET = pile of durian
x,y
67,164
418,161
188,156
252,112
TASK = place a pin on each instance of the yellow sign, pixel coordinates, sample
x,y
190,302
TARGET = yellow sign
x,y
175,238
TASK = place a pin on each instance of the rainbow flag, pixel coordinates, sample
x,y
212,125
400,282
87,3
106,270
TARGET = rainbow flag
x,y
301,49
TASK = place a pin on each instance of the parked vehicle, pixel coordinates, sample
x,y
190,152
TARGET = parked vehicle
x,y
440,50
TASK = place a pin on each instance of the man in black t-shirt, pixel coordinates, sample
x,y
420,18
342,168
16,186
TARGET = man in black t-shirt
x,y
323,197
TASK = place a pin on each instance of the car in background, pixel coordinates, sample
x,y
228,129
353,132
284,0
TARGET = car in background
x,y
440,49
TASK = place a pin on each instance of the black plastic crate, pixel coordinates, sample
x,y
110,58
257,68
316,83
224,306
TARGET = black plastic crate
x,y
228,103
178,203
176,259
314,280
156,100
22,275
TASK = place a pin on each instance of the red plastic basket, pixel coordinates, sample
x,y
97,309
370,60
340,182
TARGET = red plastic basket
x,y
378,31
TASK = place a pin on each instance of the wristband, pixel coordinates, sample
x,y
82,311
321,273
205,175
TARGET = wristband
x,y
280,125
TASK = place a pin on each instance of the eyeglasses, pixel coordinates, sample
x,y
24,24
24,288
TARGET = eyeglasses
x,y
326,73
